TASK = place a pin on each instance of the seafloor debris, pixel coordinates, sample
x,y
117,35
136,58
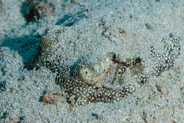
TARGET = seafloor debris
x,y
36,9
82,88
49,98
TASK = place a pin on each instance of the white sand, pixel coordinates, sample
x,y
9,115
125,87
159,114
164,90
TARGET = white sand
x,y
96,30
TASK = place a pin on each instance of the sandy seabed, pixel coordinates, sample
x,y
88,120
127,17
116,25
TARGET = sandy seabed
x,y
91,30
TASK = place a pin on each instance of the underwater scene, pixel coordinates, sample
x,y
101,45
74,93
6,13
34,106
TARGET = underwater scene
x,y
91,61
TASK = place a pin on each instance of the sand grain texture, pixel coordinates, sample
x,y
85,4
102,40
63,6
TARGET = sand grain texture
x,y
88,31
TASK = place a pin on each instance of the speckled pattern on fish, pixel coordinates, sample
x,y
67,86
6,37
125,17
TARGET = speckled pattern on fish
x,y
80,92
